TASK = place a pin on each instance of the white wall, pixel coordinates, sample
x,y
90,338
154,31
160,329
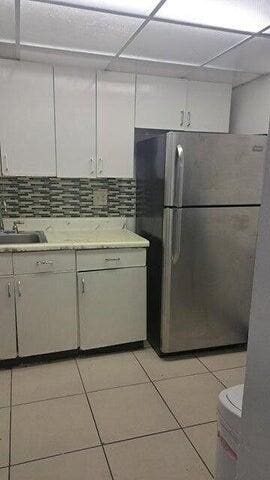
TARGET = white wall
x,y
254,460
250,109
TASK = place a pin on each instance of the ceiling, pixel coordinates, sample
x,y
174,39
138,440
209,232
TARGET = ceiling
x,y
214,40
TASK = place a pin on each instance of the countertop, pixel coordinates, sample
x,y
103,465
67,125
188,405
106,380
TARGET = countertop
x,y
81,240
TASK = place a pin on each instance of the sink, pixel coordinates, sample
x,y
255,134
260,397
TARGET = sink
x,y
11,237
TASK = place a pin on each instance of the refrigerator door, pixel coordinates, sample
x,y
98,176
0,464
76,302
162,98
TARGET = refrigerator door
x,y
207,276
220,169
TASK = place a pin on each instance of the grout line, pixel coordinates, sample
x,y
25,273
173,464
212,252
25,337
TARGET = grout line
x,y
153,434
117,386
199,424
224,369
48,399
95,422
202,460
212,373
10,423
55,455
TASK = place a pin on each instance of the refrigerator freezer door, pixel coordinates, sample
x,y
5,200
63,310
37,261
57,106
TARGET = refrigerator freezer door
x,y
220,169
207,292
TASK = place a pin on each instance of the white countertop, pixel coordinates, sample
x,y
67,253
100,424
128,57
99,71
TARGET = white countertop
x,y
81,240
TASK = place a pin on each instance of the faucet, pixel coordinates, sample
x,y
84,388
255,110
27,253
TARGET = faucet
x,y
15,225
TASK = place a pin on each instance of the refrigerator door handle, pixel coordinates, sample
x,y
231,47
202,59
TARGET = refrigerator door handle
x,y
179,176
176,234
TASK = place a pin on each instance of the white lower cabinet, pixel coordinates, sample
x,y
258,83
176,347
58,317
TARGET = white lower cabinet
x,y
46,313
112,306
8,348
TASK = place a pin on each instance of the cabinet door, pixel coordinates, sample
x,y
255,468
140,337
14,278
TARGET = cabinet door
x,y
46,313
8,348
208,107
27,119
251,107
115,124
112,307
75,116
160,102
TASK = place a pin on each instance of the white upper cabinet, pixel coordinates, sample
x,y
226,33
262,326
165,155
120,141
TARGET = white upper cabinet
x,y
251,107
75,117
115,124
160,102
173,104
27,119
208,107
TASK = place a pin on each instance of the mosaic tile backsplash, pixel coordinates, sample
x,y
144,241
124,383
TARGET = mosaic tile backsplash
x,y
64,197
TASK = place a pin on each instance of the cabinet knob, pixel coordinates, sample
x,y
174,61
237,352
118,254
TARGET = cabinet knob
x,y
189,119
9,289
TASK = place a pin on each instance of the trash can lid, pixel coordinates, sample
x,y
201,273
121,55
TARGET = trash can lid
x,y
230,407
235,397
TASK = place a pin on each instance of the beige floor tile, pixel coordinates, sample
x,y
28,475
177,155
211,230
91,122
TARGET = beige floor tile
x,y
204,438
192,399
231,377
51,427
4,436
111,370
168,367
4,474
41,382
167,456
5,379
128,412
88,464
223,360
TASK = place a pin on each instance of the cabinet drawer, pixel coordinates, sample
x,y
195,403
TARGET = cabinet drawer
x,y
110,258
33,262
6,264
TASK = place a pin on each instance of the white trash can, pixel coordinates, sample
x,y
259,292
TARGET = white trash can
x,y
229,430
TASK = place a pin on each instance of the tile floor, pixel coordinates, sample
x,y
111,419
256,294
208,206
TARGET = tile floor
x,y
120,416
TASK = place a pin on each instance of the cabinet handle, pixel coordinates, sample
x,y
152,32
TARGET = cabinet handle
x,y
9,289
83,285
100,166
92,169
19,288
182,118
117,259
44,262
189,119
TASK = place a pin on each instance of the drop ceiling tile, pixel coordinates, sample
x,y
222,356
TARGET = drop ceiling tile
x,y
7,20
71,28
253,57
180,44
94,62
141,7
244,15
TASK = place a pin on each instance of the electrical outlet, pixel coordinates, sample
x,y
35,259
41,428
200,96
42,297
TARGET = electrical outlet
x,y
100,197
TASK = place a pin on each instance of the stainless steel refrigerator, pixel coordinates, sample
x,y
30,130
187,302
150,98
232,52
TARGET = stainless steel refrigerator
x,y
198,198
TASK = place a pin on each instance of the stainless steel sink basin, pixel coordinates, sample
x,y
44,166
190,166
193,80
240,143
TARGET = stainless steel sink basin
x,y
7,238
